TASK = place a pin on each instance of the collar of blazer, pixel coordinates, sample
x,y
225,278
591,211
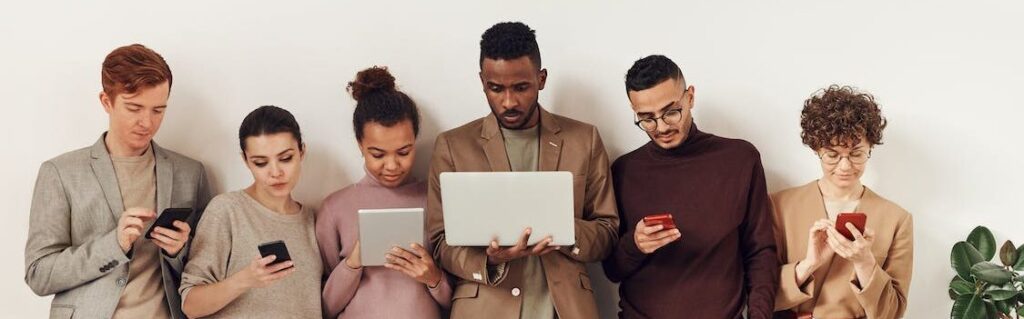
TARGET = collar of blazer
x,y
550,143
103,168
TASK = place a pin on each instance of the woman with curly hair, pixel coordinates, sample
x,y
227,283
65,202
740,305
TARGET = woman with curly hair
x,y
824,273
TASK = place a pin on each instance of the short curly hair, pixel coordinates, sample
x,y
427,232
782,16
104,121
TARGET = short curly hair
x,y
841,116
509,41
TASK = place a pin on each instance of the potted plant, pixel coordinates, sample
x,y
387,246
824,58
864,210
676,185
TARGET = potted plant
x,y
983,289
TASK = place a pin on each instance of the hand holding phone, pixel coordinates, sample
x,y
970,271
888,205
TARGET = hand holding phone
x,y
857,219
649,239
167,219
663,219
262,272
276,248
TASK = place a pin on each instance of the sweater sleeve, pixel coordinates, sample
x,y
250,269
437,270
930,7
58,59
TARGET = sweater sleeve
x,y
625,258
211,249
341,281
442,294
759,250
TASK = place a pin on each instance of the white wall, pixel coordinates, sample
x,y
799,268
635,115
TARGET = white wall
x,y
948,76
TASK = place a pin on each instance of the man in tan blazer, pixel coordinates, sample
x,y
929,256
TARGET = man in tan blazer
x,y
91,207
520,281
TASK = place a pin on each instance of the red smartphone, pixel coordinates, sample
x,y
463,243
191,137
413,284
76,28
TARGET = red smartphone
x,y
857,219
664,219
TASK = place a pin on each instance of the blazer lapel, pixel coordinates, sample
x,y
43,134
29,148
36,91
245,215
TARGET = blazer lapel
x,y
550,142
494,145
103,168
164,178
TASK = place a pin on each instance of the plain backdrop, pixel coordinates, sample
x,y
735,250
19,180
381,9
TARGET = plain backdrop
x,y
948,75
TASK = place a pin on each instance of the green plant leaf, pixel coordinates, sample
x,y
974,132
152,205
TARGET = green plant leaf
x,y
991,273
963,256
960,287
1002,293
1019,266
1008,254
969,307
1002,307
983,240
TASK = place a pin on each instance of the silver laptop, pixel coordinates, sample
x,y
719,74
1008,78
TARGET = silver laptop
x,y
481,206
382,229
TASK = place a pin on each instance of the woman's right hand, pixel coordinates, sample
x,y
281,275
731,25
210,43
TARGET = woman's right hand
x,y
818,250
260,273
353,261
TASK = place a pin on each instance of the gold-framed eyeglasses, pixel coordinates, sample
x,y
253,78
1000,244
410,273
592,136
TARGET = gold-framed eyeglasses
x,y
855,157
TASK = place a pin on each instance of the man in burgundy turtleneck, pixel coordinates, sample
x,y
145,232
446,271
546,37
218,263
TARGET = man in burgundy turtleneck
x,y
721,257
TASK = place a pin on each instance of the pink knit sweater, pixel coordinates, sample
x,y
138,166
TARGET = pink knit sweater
x,y
371,292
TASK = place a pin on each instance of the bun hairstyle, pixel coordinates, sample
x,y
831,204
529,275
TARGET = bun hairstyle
x,y
378,101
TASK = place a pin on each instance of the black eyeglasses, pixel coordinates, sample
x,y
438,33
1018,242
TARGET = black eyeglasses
x,y
670,117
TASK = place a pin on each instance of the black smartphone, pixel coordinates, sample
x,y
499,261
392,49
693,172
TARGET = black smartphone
x,y
276,248
167,219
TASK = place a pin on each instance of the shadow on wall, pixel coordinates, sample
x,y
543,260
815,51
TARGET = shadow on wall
x,y
429,129
322,174
578,101
178,132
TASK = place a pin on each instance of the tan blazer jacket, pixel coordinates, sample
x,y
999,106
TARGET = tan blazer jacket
x,y
565,145
833,291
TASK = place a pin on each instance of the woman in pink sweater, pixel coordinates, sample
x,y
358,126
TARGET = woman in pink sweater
x,y
410,285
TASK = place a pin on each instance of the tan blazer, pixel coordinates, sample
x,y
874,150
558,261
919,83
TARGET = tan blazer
x,y
72,249
565,145
833,291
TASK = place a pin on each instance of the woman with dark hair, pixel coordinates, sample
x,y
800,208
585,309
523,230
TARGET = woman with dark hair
x,y
410,285
225,266
826,274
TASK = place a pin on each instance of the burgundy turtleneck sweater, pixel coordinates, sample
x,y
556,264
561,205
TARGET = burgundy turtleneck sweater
x,y
714,188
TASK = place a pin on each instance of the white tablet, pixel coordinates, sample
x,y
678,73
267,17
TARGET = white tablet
x,y
382,229
481,206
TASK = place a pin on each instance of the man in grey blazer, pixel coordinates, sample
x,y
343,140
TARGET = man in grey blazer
x,y
91,207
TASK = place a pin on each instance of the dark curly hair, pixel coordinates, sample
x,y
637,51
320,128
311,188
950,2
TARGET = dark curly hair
x,y
509,41
650,71
378,101
841,116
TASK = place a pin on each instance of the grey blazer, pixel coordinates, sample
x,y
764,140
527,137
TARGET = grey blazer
x,y
72,248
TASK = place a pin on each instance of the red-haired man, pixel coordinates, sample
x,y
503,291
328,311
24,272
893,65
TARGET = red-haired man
x,y
92,207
